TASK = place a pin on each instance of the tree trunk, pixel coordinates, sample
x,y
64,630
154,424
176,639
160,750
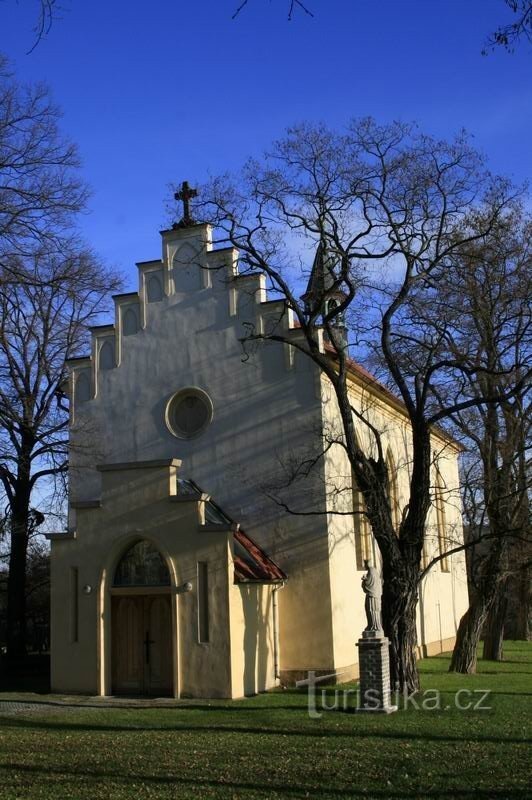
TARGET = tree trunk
x,y
16,581
16,591
497,488
399,623
523,628
464,658
494,627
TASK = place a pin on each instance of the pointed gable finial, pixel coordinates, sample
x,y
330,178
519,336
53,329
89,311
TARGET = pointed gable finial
x,y
321,280
318,280
185,195
324,294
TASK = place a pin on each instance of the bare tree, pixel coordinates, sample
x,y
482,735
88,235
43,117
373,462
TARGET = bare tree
x,y
518,30
375,198
291,5
498,535
37,581
40,190
507,36
44,314
482,316
46,12
478,318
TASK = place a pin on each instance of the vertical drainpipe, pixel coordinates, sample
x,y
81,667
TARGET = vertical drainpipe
x,y
275,610
441,634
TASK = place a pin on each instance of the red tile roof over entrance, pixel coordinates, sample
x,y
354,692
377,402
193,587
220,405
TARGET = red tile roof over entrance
x,y
252,563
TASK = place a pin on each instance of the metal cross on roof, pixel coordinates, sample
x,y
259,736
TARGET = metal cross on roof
x,y
185,196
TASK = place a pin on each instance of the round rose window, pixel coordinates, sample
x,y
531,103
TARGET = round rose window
x,y
188,413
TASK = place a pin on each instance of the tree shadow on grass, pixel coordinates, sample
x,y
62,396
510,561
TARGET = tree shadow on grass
x,y
318,733
267,788
505,672
177,707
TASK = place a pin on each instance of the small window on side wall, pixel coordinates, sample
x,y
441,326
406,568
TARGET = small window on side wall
x,y
441,522
393,492
363,534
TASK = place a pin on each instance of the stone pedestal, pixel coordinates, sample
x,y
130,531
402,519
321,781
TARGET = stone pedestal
x,y
374,665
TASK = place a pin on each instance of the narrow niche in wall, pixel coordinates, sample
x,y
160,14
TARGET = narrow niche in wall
x,y
107,355
74,605
130,323
82,387
154,289
186,269
203,602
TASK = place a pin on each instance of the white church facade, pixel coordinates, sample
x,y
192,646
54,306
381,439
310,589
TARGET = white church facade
x,y
179,575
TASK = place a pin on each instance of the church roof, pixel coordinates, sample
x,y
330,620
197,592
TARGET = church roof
x,y
370,380
355,368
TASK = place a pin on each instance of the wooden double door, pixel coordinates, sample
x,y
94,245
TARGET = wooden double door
x,y
142,661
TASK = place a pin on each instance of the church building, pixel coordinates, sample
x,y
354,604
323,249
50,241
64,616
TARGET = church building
x,y
180,574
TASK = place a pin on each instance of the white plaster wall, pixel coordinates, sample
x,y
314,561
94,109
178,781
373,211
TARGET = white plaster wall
x,y
265,413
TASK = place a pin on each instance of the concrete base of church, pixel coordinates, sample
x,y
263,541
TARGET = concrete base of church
x,y
351,672
332,675
435,648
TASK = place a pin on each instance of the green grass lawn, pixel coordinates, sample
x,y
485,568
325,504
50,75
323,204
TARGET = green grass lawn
x,y
268,747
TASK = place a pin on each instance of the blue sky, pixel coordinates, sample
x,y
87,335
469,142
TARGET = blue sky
x,y
158,92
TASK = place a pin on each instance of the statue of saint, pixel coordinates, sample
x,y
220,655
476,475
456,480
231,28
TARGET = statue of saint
x,y
372,586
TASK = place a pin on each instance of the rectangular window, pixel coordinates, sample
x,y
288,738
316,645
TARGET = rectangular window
x,y
442,528
424,552
363,534
74,604
203,601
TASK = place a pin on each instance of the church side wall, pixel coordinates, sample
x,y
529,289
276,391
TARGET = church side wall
x,y
443,595
349,617
347,600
